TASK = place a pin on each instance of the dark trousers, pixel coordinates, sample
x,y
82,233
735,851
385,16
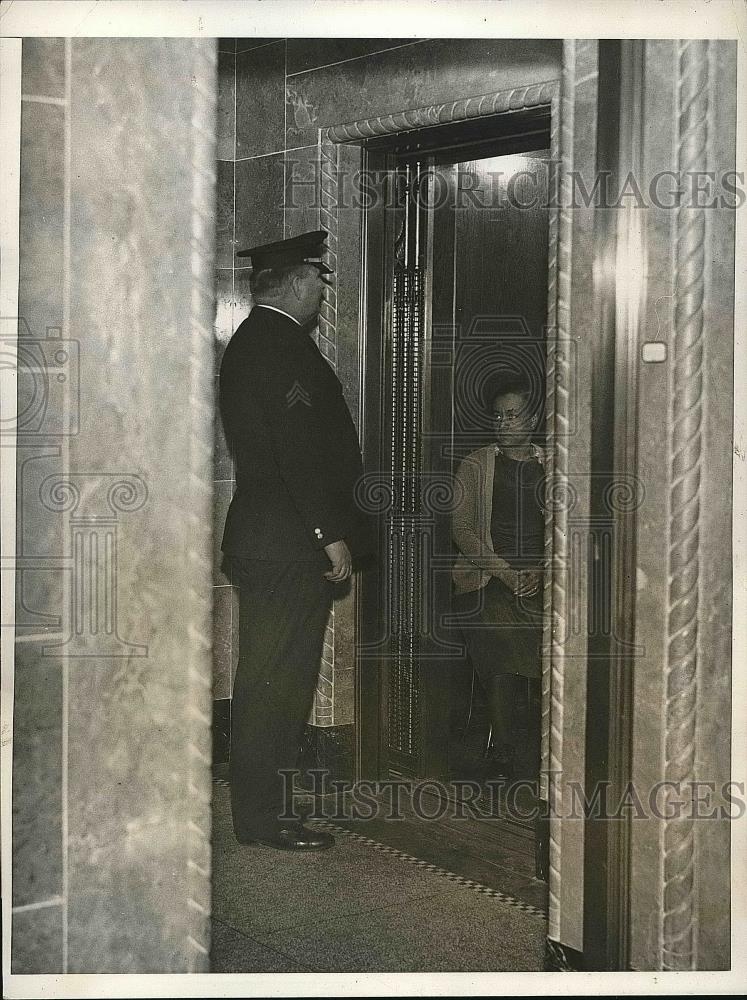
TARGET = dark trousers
x,y
283,609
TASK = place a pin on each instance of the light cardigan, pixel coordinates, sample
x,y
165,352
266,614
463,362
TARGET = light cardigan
x,y
471,517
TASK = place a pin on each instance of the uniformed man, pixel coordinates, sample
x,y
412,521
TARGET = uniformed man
x,y
292,529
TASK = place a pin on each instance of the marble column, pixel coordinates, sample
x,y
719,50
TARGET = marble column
x,y
115,505
679,858
572,465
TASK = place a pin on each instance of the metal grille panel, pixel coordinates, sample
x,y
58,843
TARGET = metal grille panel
x,y
405,584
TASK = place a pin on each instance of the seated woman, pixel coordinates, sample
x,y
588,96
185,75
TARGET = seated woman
x,y
498,528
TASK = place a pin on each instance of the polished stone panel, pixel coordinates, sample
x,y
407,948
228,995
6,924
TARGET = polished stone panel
x,y
223,322
222,461
42,539
259,201
302,182
39,601
260,100
224,212
41,531
131,870
48,369
37,941
227,45
716,666
222,494
436,71
222,635
41,227
349,277
226,111
37,774
37,806
43,67
139,724
652,530
311,53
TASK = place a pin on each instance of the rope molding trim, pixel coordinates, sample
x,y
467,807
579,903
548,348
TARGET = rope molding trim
x,y
556,603
677,915
501,102
199,688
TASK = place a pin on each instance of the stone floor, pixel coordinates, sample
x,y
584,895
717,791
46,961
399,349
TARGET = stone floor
x,y
361,907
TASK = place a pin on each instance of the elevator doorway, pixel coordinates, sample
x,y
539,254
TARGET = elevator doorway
x,y
457,274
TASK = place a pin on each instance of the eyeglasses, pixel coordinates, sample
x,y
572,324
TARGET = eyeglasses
x,y
510,416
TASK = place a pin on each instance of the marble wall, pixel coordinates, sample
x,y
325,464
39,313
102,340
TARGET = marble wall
x,y
38,804
230,309
111,778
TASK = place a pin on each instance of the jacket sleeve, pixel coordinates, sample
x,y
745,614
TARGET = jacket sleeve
x,y
467,524
303,413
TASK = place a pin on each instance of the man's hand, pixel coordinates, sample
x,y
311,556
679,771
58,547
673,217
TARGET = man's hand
x,y
342,561
522,583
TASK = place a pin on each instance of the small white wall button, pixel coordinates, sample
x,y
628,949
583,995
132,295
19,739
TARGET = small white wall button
x,y
654,350
318,533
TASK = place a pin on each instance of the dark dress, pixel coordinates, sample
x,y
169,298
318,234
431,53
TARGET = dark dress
x,y
503,632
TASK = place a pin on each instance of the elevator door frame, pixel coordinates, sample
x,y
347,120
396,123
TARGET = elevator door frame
x,y
514,135
436,653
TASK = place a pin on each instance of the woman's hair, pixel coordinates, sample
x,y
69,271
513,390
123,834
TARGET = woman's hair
x,y
502,384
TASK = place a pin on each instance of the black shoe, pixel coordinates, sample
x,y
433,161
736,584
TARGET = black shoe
x,y
298,837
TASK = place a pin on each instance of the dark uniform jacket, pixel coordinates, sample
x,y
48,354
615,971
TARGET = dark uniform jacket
x,y
294,444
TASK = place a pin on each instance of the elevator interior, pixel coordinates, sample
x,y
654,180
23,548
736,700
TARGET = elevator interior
x,y
457,275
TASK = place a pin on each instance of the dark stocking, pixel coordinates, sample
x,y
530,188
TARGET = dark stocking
x,y
504,698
